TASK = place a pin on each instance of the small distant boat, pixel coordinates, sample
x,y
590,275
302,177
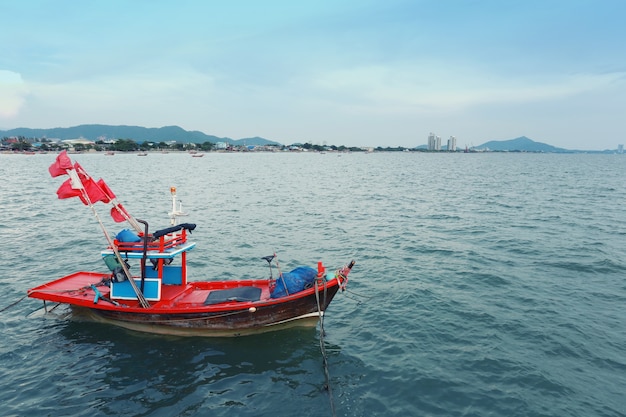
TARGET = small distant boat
x,y
142,154
160,298
197,155
109,153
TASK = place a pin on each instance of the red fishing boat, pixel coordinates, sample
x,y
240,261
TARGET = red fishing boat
x,y
160,298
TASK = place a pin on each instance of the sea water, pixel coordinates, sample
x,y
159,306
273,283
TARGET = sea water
x,y
485,285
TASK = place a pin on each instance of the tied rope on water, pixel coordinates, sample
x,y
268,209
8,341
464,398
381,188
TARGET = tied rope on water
x,y
13,305
359,298
322,346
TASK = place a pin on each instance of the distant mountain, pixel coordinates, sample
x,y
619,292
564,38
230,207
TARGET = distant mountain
x,y
256,141
137,133
521,144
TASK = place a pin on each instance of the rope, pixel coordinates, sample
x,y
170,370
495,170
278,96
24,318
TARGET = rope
x,y
359,298
323,348
13,305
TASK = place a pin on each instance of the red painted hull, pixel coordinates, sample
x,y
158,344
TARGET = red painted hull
x,y
181,310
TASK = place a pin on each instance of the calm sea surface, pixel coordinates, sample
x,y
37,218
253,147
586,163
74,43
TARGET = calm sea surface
x,y
484,285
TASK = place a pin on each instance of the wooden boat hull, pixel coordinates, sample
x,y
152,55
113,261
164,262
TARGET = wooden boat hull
x,y
251,318
183,311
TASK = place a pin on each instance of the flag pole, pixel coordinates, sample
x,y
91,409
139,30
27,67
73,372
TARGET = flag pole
x,y
140,297
129,218
117,205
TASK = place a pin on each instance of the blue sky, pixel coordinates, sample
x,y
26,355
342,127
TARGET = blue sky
x,y
355,73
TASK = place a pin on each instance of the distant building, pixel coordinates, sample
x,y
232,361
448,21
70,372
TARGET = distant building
x,y
620,148
452,144
79,141
434,142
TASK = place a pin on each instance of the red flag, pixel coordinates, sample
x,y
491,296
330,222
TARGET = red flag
x,y
67,191
92,189
116,213
60,165
93,192
80,170
104,187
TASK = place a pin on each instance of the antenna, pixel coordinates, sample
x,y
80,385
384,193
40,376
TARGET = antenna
x,y
177,209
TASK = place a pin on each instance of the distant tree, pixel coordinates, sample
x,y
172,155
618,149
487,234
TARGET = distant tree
x,y
21,145
124,145
145,145
311,147
207,146
390,149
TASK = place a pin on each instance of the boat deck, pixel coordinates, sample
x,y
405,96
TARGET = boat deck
x,y
78,289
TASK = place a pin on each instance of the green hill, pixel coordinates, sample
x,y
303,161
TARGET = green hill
x,y
137,133
521,144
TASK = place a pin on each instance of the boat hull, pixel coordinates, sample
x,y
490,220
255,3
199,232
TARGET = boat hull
x,y
161,328
247,319
178,317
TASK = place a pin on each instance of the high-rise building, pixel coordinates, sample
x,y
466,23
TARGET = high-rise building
x,y
452,144
620,148
434,142
431,141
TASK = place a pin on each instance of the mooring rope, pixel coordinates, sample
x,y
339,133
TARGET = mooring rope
x,y
323,348
359,298
13,305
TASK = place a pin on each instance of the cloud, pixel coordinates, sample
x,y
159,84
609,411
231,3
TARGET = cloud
x,y
440,88
156,98
13,92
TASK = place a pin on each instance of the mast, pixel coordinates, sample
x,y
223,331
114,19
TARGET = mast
x,y
177,209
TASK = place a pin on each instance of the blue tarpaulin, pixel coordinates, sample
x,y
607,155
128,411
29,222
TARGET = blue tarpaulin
x,y
297,280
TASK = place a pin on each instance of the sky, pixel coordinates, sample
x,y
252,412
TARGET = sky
x,y
353,73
